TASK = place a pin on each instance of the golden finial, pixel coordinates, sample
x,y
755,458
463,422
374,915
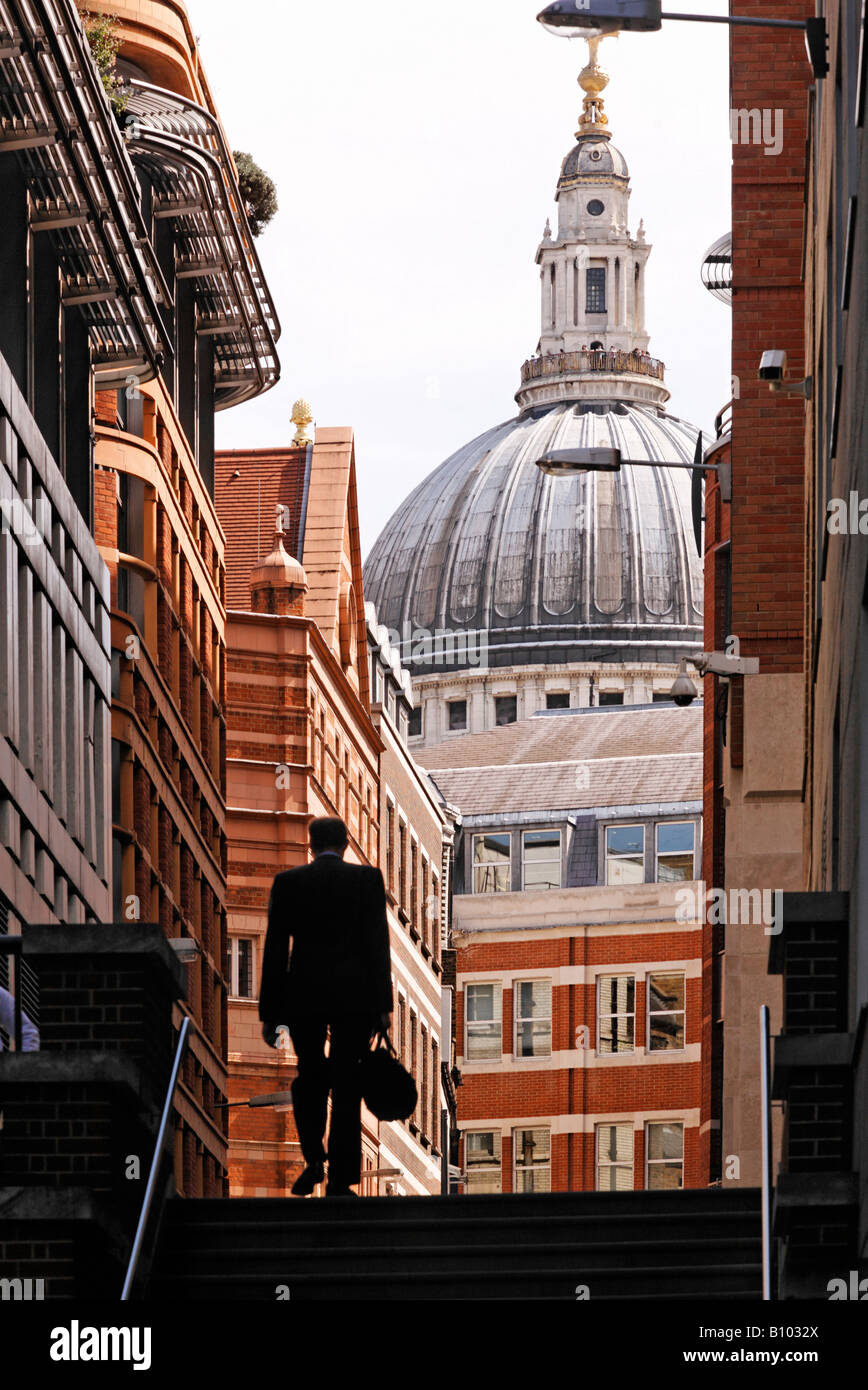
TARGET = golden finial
x,y
301,417
593,80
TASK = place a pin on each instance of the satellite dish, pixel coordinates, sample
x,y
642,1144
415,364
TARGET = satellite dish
x,y
697,495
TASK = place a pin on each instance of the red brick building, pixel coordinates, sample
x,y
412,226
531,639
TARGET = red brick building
x,y
307,736
755,576
577,926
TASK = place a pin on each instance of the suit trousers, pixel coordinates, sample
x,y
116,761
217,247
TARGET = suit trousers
x,y
339,1073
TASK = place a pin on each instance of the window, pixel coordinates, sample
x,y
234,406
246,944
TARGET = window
x,y
541,859
615,1158
414,722
532,1150
414,886
402,866
533,1018
241,967
483,1022
595,207
505,709
457,714
665,1013
675,851
557,699
611,697
661,697
491,863
664,1145
616,1013
625,854
595,289
390,847
482,1161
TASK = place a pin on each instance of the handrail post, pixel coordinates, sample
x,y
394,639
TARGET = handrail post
x,y
156,1161
766,1111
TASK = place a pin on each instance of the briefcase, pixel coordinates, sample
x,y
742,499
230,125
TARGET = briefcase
x,y
388,1089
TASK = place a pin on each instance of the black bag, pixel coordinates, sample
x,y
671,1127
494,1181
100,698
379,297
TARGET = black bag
x,y
388,1089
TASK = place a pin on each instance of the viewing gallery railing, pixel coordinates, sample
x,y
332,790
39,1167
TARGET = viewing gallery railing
x,y
591,360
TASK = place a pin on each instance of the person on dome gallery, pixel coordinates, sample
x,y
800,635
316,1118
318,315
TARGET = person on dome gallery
x,y
337,985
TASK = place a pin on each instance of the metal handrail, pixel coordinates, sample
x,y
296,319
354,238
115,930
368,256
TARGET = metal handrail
x,y
11,946
156,1161
723,420
766,1111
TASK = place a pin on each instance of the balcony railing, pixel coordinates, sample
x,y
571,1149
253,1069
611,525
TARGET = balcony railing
x,y
592,360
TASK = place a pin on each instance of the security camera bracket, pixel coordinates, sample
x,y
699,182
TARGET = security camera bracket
x,y
794,388
720,664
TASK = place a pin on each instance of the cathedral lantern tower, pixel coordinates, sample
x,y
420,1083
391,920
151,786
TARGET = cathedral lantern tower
x,y
592,274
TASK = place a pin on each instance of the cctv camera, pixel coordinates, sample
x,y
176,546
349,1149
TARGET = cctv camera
x,y
683,691
773,364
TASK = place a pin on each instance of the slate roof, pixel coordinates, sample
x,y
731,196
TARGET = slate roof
x,y
583,758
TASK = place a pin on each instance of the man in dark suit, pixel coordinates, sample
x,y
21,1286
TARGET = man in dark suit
x,y
338,984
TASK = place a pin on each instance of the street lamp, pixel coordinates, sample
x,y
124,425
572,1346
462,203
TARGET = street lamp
x,y
559,463
592,18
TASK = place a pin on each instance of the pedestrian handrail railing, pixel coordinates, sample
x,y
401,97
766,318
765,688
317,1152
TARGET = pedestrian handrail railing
x,y
766,1111
156,1163
11,946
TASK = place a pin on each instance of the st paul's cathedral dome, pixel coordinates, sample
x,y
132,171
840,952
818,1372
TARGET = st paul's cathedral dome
x,y
515,568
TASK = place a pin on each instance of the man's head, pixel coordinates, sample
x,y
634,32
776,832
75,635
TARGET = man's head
x,y
328,832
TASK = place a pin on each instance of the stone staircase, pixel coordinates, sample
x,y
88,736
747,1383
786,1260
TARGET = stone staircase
x,y
697,1244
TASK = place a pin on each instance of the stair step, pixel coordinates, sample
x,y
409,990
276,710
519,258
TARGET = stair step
x,y
699,1244
362,1259
742,1280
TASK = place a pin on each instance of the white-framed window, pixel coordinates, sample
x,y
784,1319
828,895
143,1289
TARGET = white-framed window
x,y
482,1161
664,1154
666,1012
532,1001
615,1157
241,960
541,859
532,1160
492,870
675,851
483,1040
616,1013
625,854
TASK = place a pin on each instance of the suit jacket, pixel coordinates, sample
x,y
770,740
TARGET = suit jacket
x,y
334,915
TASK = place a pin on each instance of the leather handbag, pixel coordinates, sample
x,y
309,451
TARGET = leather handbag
x,y
388,1089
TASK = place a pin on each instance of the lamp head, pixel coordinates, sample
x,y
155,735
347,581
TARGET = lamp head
x,y
587,19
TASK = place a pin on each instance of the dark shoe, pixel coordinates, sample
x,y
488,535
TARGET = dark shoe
x,y
307,1180
335,1190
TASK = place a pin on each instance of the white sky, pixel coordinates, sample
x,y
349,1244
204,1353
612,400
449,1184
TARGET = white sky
x,y
416,149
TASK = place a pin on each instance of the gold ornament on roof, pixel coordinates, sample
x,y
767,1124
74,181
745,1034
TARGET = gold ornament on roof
x,y
301,417
593,80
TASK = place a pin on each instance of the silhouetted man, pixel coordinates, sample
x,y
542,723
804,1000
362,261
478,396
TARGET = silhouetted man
x,y
338,983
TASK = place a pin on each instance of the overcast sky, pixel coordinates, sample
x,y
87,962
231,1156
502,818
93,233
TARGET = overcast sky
x,y
416,149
